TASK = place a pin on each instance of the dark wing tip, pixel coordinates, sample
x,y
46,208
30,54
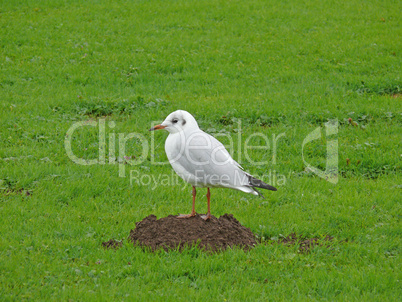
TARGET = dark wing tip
x,y
254,182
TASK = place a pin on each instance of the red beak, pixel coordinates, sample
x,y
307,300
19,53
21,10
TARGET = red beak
x,y
157,127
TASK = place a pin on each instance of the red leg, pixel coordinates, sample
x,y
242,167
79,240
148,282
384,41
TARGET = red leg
x,y
208,216
193,210
194,194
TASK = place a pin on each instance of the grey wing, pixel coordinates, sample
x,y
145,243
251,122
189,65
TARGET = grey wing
x,y
207,159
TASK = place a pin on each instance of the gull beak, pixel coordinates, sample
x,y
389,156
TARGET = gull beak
x,y
157,127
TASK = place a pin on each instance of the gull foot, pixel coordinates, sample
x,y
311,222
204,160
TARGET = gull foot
x,y
185,215
206,217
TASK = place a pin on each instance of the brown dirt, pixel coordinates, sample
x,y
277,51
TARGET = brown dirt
x,y
15,191
172,233
112,244
213,235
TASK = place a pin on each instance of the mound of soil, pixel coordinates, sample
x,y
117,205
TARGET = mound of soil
x,y
213,235
171,233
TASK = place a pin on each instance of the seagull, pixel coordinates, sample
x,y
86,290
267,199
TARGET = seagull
x,y
202,161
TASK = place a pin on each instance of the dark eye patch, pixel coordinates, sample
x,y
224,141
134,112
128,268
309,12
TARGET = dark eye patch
x,y
184,122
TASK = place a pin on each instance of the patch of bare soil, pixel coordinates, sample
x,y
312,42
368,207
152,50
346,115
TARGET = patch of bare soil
x,y
7,192
213,235
172,233
112,244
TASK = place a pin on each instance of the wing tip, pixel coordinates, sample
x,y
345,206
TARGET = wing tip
x,y
256,183
272,188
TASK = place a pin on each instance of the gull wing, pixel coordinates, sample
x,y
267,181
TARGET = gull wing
x,y
207,160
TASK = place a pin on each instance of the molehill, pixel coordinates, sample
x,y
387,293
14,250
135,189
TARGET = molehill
x,y
171,233
216,234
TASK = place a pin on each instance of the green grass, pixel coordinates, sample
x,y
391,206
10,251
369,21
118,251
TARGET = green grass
x,y
274,67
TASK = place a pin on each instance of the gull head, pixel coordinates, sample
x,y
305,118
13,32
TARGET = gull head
x,y
177,121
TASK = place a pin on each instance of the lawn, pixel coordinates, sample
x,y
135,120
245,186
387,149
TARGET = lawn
x,y
254,73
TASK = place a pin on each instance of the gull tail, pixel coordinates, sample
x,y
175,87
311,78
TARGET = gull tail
x,y
256,183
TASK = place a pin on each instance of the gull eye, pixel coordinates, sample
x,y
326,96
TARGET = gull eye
x,y
175,120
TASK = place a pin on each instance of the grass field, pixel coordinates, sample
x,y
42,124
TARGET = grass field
x,y
240,67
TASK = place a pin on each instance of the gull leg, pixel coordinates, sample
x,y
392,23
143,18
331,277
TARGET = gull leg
x,y
208,216
193,210
194,194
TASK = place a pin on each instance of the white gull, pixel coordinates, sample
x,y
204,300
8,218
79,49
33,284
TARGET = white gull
x,y
202,161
